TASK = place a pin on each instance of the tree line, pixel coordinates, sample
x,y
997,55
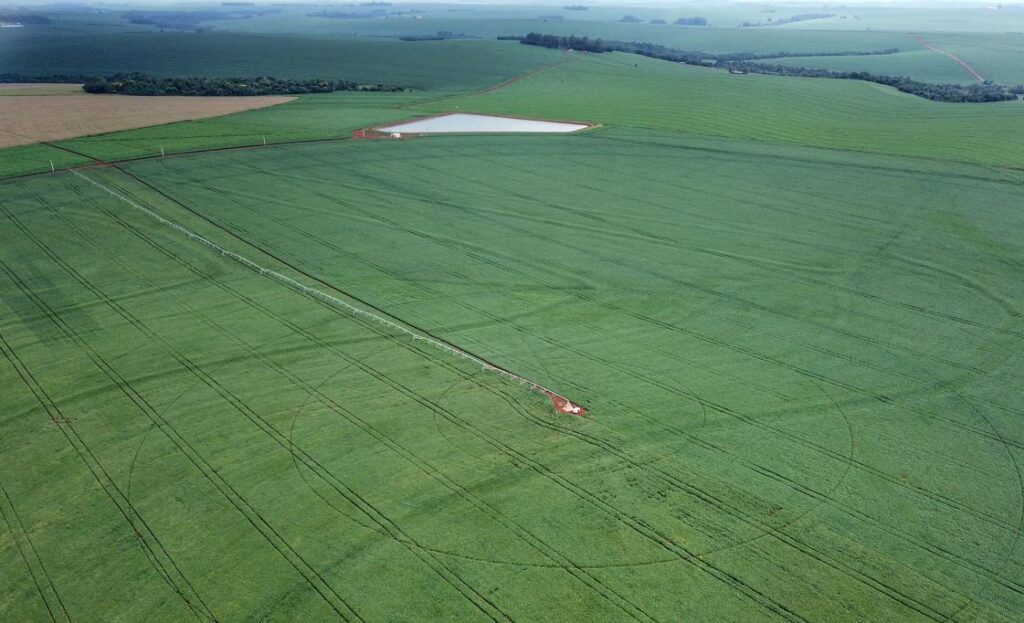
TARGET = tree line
x,y
190,20
654,50
583,44
747,62
987,91
141,84
803,17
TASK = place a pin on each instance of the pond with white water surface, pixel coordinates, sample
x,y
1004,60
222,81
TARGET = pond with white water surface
x,y
455,123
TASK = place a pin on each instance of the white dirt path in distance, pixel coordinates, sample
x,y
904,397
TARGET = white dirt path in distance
x,y
955,58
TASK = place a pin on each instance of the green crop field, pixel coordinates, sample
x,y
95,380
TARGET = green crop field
x,y
304,380
27,159
992,55
294,42
765,341
627,90
420,65
920,64
312,117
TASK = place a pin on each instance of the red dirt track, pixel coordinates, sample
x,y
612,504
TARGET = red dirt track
x,y
563,405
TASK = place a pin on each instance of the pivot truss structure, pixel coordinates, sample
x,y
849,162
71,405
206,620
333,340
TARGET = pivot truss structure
x,y
561,403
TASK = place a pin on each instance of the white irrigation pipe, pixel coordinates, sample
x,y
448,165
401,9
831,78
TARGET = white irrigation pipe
x,y
323,296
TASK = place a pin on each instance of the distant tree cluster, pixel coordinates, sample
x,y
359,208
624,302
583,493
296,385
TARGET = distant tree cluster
x,y
141,84
442,35
984,92
371,14
746,62
693,57
583,44
654,50
692,21
189,20
803,17
799,54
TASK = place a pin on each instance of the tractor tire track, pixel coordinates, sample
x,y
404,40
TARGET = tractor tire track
x,y
1019,473
634,524
328,478
672,327
648,237
823,497
732,298
778,270
317,583
461,585
309,235
893,593
156,554
699,336
244,409
53,611
861,466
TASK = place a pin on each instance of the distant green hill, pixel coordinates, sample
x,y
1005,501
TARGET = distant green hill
x,y
435,65
631,91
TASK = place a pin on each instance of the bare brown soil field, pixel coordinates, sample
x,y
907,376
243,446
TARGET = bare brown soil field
x,y
38,118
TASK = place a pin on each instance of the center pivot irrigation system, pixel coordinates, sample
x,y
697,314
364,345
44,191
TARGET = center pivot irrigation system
x,y
561,403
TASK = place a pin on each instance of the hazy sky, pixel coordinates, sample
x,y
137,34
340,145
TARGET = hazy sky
x,y
893,3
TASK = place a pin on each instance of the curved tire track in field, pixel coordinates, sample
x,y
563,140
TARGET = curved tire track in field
x,y
342,251
463,245
676,282
661,239
580,354
934,496
819,496
316,582
521,532
891,592
157,555
471,594
638,526
354,257
326,476
948,387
